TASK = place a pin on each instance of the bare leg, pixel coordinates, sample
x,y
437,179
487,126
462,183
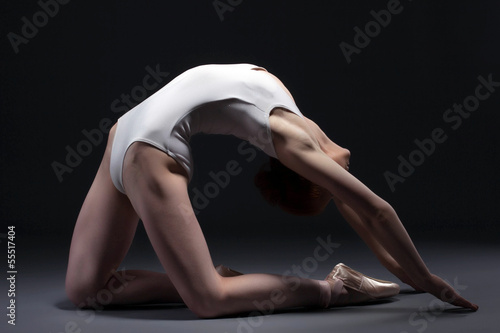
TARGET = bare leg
x,y
157,188
102,236
104,231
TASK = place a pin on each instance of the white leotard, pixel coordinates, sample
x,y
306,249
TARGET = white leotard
x,y
212,99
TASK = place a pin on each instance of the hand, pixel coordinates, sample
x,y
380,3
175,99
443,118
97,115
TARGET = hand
x,y
442,290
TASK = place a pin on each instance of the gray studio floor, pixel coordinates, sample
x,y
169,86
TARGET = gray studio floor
x,y
473,269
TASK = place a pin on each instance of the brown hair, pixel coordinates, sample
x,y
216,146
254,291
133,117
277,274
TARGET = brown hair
x,y
286,189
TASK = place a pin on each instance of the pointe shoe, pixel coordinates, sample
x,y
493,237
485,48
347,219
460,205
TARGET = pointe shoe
x,y
226,271
373,288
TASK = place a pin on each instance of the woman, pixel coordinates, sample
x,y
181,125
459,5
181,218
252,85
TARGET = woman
x,y
144,174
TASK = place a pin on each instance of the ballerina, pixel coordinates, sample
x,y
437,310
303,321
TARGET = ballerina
x,y
144,174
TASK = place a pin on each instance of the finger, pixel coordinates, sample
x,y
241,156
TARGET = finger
x,y
462,302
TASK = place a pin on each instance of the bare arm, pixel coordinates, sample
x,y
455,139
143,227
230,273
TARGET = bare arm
x,y
356,222
303,155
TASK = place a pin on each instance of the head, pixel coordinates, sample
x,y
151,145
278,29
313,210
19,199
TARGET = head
x,y
288,190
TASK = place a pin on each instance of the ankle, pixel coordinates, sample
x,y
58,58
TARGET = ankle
x,y
325,294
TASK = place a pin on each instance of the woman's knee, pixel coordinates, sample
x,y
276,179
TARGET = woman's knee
x,y
209,303
207,307
90,291
79,293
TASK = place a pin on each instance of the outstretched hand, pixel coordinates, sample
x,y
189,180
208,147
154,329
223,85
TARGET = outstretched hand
x,y
442,290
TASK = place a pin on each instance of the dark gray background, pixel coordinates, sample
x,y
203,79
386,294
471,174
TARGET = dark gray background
x,y
396,90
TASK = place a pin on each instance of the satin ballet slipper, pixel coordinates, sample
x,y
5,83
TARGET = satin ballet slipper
x,y
367,288
226,271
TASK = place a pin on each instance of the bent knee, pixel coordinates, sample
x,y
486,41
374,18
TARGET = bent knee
x,y
79,295
80,291
209,304
208,308
87,292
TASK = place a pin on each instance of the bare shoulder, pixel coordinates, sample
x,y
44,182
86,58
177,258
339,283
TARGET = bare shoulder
x,y
289,129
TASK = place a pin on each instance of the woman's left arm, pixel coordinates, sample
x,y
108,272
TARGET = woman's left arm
x,y
299,152
356,222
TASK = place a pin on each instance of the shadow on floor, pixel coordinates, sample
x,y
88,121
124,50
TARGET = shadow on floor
x,y
179,311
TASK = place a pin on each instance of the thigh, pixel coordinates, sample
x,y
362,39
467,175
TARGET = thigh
x,y
104,230
157,189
